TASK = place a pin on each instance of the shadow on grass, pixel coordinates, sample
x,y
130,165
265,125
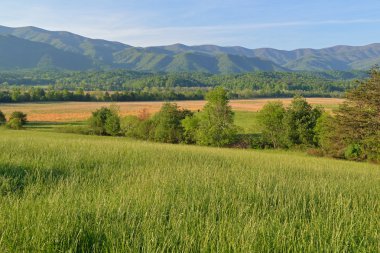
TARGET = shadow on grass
x,y
46,125
87,235
14,179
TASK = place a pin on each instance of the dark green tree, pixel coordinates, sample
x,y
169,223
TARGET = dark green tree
x,y
3,120
167,123
301,119
358,120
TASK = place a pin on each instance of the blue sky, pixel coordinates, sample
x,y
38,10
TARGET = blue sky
x,y
286,24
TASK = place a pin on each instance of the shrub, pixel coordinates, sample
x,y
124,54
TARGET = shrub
x,y
15,124
112,125
129,125
105,121
17,120
190,126
353,152
19,115
3,120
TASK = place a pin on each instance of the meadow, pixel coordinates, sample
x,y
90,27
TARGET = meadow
x,y
79,111
73,193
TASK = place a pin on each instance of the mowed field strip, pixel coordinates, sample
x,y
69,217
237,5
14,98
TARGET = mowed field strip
x,y
79,111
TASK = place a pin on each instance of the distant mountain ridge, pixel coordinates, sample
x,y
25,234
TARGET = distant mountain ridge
x,y
32,47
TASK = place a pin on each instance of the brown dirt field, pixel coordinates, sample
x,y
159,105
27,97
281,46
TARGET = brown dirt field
x,y
79,111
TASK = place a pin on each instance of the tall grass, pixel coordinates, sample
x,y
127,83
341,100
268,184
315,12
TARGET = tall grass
x,y
61,192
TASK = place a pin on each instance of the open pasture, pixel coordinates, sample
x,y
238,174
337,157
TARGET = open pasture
x,y
79,111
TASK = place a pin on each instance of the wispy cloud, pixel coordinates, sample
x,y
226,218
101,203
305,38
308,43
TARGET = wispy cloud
x,y
255,26
144,36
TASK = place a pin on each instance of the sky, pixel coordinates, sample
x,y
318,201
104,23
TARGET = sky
x,y
286,24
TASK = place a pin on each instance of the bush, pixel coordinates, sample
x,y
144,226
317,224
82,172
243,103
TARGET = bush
x,y
129,125
112,125
353,152
3,120
17,120
15,124
190,126
105,121
19,115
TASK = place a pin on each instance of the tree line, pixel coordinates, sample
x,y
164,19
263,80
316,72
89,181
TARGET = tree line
x,y
21,95
137,86
350,132
213,126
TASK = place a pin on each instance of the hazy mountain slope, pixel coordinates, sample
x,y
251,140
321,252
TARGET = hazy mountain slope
x,y
316,63
16,53
160,61
102,54
333,58
98,50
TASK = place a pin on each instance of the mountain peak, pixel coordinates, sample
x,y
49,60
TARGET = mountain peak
x,y
205,58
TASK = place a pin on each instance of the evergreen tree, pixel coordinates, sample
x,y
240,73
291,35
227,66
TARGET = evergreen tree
x,y
358,120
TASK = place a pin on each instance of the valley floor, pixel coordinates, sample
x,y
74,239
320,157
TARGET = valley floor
x,y
79,111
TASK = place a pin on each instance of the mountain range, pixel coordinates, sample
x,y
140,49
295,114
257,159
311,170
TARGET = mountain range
x,y
36,48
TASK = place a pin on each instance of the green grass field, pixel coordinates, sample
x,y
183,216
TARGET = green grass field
x,y
247,122
73,193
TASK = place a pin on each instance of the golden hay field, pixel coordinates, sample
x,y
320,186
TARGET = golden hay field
x,y
79,111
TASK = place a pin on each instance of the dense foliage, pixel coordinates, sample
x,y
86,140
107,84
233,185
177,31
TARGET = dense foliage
x,y
2,118
105,121
351,132
214,126
25,86
16,120
216,121
354,131
288,127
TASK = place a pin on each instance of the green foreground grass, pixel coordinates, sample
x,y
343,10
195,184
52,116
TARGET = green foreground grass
x,y
63,192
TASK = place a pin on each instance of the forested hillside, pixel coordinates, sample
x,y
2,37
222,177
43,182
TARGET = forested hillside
x,y
75,52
